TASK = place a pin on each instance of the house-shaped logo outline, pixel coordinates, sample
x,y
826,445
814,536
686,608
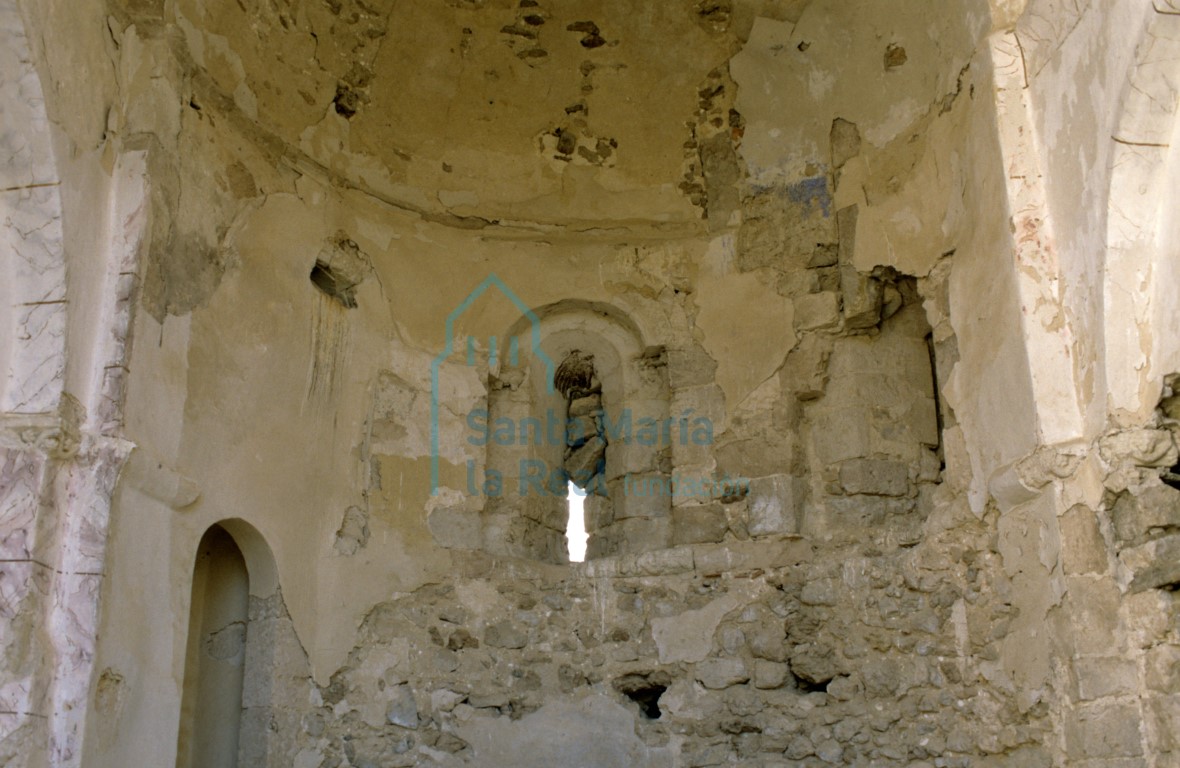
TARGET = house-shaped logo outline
x,y
492,280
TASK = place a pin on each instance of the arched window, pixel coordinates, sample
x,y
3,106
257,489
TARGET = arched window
x,y
592,408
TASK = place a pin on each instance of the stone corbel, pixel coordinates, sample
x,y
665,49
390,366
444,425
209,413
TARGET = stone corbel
x,y
1024,479
148,475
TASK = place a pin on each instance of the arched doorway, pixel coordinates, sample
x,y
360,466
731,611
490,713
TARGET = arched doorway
x,y
214,669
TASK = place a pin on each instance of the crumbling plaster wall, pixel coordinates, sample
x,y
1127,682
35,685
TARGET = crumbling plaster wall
x,y
1101,109
345,389
916,592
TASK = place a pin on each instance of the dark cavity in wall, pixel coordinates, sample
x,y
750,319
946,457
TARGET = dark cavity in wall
x,y
1172,477
644,690
333,284
345,101
809,686
591,37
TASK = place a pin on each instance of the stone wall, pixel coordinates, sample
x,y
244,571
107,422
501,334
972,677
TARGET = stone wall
x,y
899,256
779,654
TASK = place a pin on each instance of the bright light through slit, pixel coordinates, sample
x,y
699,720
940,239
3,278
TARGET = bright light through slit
x,y
575,531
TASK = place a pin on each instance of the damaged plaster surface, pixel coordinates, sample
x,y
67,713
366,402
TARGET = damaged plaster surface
x,y
885,271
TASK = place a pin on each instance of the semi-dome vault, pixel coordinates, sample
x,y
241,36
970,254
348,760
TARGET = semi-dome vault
x,y
852,317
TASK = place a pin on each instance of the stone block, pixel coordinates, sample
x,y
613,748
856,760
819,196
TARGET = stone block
x,y
840,434
1138,517
644,496
1155,564
721,673
770,675
830,751
643,534
690,366
505,634
1091,607
599,512
874,477
586,461
694,485
403,709
754,457
1103,731
1140,447
844,688
1163,725
817,311
444,700
590,405
774,504
784,224
579,429
821,592
455,528
799,282
1083,550
862,298
847,513
698,415
814,663
922,419
805,373
630,458
1099,677
665,562
824,255
1148,617
1163,669
845,138
768,641
846,219
699,524
268,736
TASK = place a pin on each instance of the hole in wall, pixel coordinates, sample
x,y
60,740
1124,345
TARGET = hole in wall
x,y
1172,477
648,699
575,529
332,284
809,686
645,690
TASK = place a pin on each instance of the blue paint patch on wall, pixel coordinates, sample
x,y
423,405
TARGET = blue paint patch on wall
x,y
812,193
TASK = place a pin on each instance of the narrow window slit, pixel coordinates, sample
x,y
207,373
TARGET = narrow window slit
x,y
575,530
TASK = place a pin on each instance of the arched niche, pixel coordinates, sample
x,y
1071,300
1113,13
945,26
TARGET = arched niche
x,y
227,670
526,446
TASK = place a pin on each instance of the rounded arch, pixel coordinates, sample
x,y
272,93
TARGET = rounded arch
x,y
633,391
228,662
580,308
1140,300
33,292
260,560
